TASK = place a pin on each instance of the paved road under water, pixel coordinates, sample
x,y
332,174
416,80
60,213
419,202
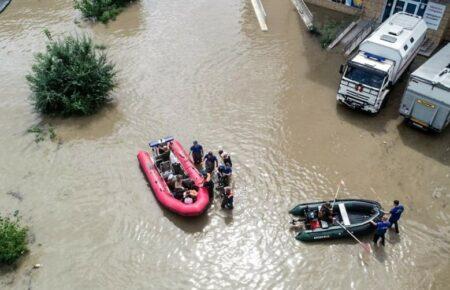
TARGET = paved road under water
x,y
203,70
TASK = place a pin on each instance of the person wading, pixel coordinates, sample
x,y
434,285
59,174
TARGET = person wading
x,y
381,229
396,213
197,153
226,158
209,184
211,162
227,201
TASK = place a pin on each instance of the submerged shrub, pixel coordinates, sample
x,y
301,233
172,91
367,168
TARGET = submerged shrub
x,y
41,131
328,33
13,242
71,78
102,10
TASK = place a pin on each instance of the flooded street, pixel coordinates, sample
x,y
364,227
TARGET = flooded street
x,y
203,70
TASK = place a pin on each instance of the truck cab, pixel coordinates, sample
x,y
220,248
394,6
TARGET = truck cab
x,y
365,82
380,61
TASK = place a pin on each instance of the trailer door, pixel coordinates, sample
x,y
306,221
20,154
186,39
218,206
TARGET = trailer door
x,y
423,113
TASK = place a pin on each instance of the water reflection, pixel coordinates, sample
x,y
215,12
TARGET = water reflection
x,y
91,127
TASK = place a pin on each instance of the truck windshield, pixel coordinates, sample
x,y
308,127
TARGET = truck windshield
x,y
365,76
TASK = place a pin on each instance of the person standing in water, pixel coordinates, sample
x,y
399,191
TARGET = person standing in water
x,y
197,153
228,198
226,158
211,162
396,213
209,184
381,229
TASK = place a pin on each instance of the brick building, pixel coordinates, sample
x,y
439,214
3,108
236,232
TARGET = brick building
x,y
435,12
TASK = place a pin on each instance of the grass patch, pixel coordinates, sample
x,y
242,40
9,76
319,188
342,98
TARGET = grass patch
x,y
328,32
13,237
71,77
41,132
101,10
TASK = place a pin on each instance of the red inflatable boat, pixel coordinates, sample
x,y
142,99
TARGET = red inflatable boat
x,y
158,165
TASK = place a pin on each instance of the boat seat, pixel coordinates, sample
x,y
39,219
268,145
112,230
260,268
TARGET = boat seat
x,y
165,166
344,214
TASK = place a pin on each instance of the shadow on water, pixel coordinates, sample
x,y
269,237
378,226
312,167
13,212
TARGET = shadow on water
x,y
92,127
189,225
375,123
433,145
392,237
379,253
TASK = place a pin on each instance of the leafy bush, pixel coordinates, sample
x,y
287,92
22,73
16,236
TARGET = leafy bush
x,y
13,242
328,33
71,78
102,10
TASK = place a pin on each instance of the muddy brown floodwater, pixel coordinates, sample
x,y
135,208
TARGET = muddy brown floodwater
x,y
203,70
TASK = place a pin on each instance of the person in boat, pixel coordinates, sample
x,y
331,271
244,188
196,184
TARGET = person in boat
x,y
197,153
176,166
326,213
192,193
225,173
209,184
169,178
226,158
163,152
381,228
163,149
395,214
178,190
228,198
211,162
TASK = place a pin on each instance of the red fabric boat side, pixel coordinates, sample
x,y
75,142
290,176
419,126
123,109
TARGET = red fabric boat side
x,y
161,190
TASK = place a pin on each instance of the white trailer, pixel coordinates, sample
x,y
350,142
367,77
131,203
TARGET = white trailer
x,y
380,61
426,101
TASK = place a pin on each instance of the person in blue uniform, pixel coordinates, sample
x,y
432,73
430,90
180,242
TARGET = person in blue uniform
x,y
396,213
211,162
197,153
224,174
227,201
381,229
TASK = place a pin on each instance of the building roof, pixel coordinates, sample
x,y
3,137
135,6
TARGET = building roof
x,y
437,69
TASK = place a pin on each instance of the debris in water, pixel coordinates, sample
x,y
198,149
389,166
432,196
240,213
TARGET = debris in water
x,y
37,266
16,195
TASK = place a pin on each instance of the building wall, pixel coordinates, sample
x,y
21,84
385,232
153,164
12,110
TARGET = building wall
x,y
335,6
373,9
442,32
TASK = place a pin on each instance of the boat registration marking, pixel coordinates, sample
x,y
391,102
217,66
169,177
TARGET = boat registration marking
x,y
321,237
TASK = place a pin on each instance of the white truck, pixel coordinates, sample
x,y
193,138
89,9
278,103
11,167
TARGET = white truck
x,y
426,102
380,61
